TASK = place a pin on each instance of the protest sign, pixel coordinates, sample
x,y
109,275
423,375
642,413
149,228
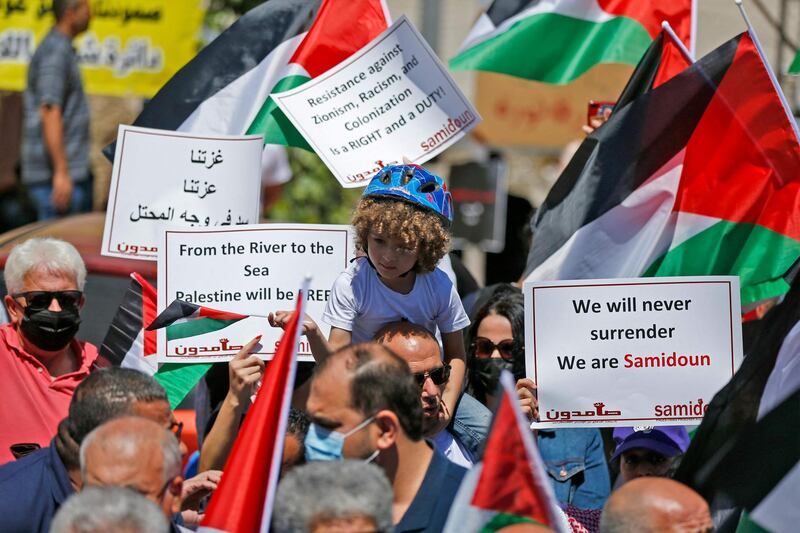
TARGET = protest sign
x,y
132,47
250,270
391,99
625,352
164,179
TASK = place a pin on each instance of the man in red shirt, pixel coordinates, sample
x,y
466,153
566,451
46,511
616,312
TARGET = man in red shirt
x,y
40,361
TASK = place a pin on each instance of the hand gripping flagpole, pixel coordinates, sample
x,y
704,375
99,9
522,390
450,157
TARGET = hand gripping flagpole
x,y
751,30
682,47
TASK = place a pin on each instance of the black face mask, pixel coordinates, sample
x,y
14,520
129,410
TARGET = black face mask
x,y
486,373
50,330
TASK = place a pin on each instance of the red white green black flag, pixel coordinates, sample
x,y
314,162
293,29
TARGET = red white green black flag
x,y
557,41
509,485
695,177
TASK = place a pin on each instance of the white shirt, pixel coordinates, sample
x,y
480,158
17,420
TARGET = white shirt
x,y
362,304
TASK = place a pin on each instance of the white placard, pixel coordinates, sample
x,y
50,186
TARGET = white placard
x,y
166,179
392,99
631,352
250,270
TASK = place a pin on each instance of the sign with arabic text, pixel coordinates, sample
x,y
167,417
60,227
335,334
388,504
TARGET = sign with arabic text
x,y
248,270
132,47
625,352
165,179
391,99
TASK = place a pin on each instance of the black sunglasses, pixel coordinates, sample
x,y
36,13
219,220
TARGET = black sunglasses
x,y
40,300
438,375
483,347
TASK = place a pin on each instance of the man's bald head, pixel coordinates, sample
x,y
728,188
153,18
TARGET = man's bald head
x,y
420,349
137,453
408,340
655,504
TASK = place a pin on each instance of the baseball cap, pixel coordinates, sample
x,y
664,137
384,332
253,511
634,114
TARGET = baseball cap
x,y
669,441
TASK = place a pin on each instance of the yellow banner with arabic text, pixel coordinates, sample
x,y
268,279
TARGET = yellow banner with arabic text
x,y
132,47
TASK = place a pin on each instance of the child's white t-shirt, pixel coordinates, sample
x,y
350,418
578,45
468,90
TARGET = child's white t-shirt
x,y
362,304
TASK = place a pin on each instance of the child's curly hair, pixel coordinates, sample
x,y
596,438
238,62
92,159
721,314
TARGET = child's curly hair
x,y
416,227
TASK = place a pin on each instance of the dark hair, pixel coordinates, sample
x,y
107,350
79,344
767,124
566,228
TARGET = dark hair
x,y
416,227
506,301
298,423
107,394
60,8
381,380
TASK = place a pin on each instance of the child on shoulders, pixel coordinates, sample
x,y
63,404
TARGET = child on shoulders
x,y
401,226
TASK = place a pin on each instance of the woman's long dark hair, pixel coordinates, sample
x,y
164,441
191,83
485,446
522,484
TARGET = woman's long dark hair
x,y
506,301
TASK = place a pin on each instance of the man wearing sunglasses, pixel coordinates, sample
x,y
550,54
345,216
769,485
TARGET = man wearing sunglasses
x,y
41,363
419,348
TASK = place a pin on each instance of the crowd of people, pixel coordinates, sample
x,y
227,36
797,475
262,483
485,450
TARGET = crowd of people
x,y
397,408
385,425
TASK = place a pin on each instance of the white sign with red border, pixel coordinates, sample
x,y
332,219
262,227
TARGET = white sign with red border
x,y
167,179
250,270
625,352
392,99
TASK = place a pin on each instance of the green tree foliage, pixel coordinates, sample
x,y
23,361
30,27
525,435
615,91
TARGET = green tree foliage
x,y
222,13
313,196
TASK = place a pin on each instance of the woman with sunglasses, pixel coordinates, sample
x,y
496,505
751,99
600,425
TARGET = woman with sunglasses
x,y
574,458
496,343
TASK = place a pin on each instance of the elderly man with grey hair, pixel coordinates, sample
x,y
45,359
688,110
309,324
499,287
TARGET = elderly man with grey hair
x,y
99,510
138,454
41,363
327,496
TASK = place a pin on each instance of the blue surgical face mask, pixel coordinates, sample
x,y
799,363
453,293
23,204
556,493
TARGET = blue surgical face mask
x,y
326,445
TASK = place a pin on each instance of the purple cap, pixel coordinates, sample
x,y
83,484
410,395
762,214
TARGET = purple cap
x,y
669,441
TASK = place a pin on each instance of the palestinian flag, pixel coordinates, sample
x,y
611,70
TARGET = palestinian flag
x,y
698,176
274,47
341,28
183,319
500,491
127,344
662,60
243,500
769,374
759,472
130,345
557,41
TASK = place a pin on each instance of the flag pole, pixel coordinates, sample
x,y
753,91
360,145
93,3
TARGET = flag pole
x,y
751,30
682,47
693,35
272,485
